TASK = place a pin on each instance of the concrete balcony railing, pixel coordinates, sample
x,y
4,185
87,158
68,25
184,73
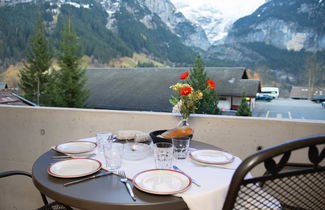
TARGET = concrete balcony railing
x,y
28,132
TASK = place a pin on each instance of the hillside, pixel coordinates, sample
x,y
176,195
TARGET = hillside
x,y
89,19
276,40
280,36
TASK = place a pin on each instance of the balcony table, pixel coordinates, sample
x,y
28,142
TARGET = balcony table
x,y
105,192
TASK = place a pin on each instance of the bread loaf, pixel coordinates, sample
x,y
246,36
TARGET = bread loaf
x,y
137,136
177,132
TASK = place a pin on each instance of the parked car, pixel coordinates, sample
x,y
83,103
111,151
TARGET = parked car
x,y
318,99
263,97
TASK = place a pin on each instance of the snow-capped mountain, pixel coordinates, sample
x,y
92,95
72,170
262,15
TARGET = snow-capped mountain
x,y
216,17
191,34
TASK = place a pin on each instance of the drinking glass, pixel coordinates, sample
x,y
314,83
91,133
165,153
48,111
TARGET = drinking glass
x,y
101,139
113,155
163,153
181,147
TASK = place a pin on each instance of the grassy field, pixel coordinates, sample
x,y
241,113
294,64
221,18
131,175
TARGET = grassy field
x,y
10,76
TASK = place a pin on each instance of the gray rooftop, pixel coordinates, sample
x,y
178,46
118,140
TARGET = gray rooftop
x,y
147,89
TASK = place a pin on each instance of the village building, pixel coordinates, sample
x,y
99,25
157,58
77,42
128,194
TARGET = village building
x,y
8,97
299,92
147,89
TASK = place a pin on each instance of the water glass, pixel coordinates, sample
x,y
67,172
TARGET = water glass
x,y
113,155
163,153
101,139
181,147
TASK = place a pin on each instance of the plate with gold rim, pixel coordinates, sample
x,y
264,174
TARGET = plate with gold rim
x,y
162,181
212,156
75,147
75,167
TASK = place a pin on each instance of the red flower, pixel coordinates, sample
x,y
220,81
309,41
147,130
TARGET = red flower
x,y
186,91
184,76
211,84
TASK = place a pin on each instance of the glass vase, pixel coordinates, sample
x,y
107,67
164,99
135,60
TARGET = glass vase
x,y
183,122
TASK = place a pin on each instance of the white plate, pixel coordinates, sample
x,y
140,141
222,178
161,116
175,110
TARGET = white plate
x,y
162,181
76,167
75,147
212,156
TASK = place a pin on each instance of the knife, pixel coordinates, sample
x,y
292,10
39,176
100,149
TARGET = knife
x,y
178,169
73,156
87,178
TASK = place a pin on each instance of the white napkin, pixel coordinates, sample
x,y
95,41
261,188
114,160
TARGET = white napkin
x,y
214,181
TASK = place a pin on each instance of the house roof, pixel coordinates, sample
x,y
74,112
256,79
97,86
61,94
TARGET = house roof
x,y
7,98
306,92
299,92
147,89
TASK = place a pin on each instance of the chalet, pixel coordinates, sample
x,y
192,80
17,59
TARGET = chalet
x,y
8,97
147,89
298,92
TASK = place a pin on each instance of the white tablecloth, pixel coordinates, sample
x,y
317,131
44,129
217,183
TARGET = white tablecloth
x,y
214,181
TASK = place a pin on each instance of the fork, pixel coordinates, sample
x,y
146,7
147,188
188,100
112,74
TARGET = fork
x,y
125,181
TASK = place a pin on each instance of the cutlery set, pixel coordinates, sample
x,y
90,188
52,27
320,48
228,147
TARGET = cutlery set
x,y
87,178
123,179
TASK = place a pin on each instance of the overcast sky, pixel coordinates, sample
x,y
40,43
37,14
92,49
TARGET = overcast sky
x,y
227,7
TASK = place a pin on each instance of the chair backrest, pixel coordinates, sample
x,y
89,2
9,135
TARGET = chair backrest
x,y
285,185
47,206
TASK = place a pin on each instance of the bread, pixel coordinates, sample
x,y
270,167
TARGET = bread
x,y
177,132
137,136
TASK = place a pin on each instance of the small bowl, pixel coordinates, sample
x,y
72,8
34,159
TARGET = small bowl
x,y
136,151
156,138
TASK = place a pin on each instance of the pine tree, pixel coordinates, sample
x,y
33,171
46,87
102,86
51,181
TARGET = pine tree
x,y
34,75
71,77
198,79
244,109
52,91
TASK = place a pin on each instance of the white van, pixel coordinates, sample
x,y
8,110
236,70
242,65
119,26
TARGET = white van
x,y
271,91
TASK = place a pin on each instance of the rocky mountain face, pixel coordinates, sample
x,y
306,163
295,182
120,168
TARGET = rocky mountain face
x,y
279,40
279,34
286,24
212,19
191,35
107,28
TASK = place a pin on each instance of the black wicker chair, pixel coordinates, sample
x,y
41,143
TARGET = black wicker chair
x,y
47,206
285,185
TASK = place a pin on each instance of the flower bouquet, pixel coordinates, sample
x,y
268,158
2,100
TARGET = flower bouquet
x,y
187,99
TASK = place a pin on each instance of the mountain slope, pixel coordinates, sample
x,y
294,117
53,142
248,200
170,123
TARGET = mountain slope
x,y
278,38
106,28
285,24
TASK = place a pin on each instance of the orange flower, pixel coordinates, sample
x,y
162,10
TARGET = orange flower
x,y
184,76
185,91
211,84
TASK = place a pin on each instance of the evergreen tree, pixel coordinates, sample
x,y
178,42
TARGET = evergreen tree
x,y
244,109
71,78
34,75
198,80
52,91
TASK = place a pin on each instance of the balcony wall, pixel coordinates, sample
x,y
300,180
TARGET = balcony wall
x,y
27,132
